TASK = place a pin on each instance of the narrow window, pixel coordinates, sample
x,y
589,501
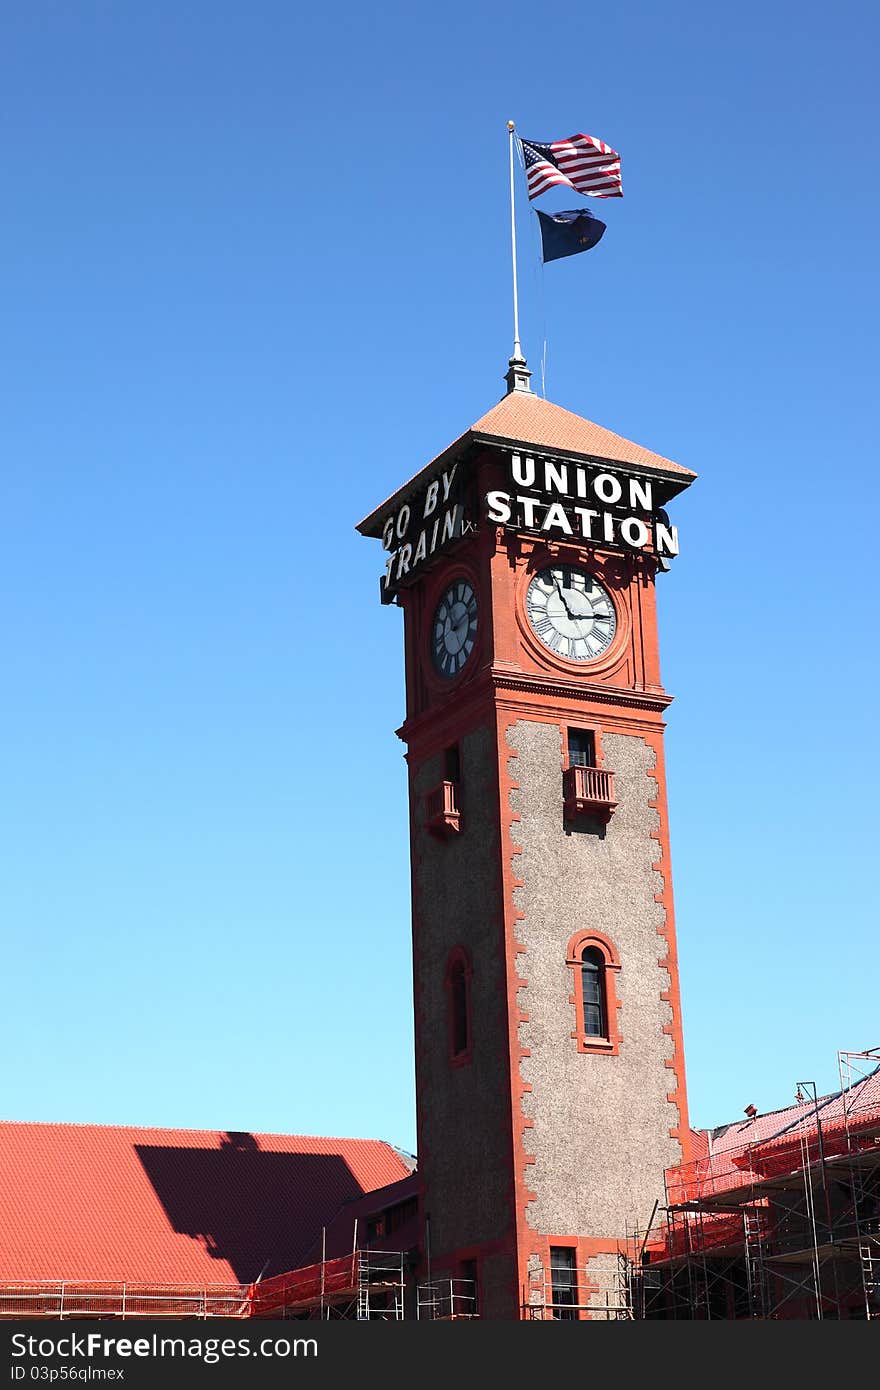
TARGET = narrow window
x,y
459,1011
594,963
452,764
469,1300
593,993
581,748
563,1283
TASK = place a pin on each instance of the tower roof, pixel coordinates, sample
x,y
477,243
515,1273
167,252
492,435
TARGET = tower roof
x,y
522,418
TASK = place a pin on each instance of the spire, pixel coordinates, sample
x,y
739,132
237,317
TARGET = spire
x,y
518,374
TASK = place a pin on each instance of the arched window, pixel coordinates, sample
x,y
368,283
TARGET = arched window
x,y
593,992
458,1003
593,962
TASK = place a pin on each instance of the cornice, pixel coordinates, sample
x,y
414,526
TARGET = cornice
x,y
561,688
513,690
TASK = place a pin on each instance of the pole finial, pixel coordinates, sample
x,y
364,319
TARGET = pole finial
x,y
518,375
510,125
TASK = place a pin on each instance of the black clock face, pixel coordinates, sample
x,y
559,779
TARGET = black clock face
x,y
454,629
571,612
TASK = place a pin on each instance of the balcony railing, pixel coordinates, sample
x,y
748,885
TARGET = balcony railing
x,y
442,816
588,791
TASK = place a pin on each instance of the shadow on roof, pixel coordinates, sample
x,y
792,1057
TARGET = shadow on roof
x,y
259,1210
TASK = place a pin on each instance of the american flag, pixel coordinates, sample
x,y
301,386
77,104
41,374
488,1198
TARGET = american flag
x,y
580,162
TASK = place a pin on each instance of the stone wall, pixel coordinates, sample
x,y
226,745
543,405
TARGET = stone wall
x,y
464,1111
601,1123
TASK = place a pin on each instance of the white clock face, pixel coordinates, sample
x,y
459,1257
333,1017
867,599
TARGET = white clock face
x,y
571,612
454,630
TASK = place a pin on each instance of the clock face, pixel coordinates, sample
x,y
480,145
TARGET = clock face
x,y
454,630
571,612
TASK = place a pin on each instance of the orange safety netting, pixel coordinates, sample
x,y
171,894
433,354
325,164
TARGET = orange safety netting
x,y
745,1166
688,1234
305,1286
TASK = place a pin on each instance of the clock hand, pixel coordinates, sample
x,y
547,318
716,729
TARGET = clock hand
x,y
579,617
562,596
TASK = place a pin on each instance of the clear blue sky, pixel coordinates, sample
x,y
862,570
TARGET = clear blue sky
x,y
254,274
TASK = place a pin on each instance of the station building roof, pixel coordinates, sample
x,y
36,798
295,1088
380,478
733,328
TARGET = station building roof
x,y
108,1203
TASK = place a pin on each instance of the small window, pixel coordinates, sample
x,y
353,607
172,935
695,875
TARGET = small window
x,y
563,1283
452,764
458,987
593,993
581,748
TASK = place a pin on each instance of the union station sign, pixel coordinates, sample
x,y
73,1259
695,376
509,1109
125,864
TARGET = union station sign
x,y
589,503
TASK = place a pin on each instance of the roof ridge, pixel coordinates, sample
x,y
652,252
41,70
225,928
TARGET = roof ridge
x,y
188,1129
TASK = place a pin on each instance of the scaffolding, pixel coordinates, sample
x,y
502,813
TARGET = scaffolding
x,y
446,1300
69,1298
367,1285
785,1227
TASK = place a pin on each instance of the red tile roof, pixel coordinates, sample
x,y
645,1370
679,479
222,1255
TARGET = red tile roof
x,y
93,1202
524,418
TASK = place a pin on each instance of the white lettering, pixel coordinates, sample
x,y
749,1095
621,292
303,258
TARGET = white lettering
x,y
431,497
421,547
587,518
499,506
607,488
434,535
556,518
666,539
450,524
634,532
403,556
388,533
608,526
555,477
524,476
403,517
447,480
580,485
528,505
641,494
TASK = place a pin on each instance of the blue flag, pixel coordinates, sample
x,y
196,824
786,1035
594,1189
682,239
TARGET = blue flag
x,y
566,233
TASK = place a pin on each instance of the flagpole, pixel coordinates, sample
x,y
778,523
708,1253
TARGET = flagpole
x,y
517,348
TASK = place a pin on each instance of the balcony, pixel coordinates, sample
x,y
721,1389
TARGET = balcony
x,y
588,791
442,816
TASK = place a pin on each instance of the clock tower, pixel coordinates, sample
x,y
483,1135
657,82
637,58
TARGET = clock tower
x,y
549,1062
